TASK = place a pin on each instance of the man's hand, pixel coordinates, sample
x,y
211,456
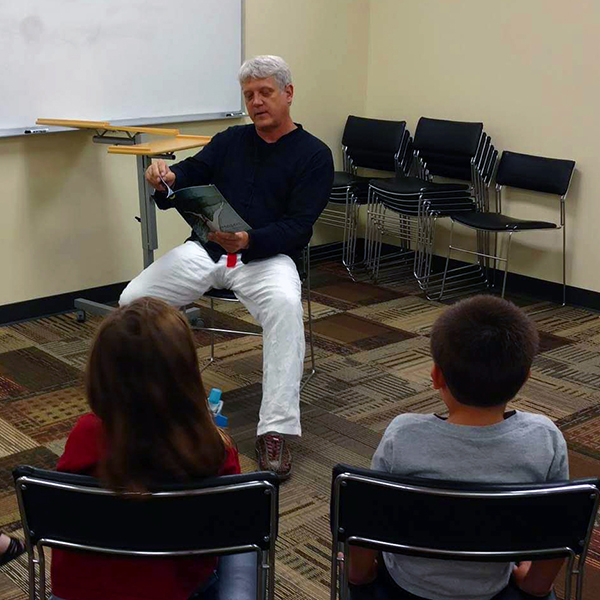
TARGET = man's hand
x,y
232,242
157,170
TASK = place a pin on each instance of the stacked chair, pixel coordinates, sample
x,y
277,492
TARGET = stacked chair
x,y
408,207
523,171
367,144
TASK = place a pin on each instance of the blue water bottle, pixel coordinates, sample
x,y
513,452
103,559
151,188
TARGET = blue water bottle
x,y
216,405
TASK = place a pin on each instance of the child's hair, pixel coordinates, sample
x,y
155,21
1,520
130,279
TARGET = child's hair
x,y
143,382
484,347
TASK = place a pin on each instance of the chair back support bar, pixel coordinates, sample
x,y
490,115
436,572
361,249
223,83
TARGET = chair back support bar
x,y
218,515
422,517
447,147
536,173
373,143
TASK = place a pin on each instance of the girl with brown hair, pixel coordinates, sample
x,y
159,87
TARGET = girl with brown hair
x,y
150,425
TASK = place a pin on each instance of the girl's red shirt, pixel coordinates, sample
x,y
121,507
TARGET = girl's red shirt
x,y
86,576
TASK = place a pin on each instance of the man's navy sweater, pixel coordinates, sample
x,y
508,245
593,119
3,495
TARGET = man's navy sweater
x,y
279,189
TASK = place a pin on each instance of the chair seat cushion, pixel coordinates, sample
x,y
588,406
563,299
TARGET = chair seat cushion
x,y
415,186
441,208
358,198
344,179
499,222
220,294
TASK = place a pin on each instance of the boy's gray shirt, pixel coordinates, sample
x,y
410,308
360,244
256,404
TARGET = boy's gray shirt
x,y
524,448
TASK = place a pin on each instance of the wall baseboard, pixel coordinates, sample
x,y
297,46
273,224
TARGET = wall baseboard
x,y
541,289
516,284
51,305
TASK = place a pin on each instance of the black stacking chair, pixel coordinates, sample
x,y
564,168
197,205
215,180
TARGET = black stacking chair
x,y
224,295
535,173
408,207
368,144
217,516
460,521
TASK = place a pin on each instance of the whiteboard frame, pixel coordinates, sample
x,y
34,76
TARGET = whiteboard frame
x,y
44,129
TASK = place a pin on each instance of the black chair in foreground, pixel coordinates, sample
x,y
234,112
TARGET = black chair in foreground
x,y
217,516
535,173
366,144
460,521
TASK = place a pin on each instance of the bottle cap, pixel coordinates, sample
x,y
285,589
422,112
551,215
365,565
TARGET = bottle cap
x,y
215,396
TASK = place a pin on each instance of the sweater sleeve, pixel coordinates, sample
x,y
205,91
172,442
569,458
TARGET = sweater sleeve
x,y
382,459
308,198
559,469
83,448
231,465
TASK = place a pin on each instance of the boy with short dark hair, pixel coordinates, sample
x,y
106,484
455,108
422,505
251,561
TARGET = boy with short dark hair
x,y
482,349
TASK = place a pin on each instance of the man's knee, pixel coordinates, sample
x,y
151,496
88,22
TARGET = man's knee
x,y
286,302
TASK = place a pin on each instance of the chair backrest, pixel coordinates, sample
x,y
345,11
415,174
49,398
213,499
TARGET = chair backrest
x,y
536,173
216,515
441,519
447,147
373,143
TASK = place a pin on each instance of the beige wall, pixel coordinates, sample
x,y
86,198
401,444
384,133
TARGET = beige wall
x,y
68,207
529,71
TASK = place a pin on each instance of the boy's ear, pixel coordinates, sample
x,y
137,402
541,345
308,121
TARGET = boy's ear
x,y
437,378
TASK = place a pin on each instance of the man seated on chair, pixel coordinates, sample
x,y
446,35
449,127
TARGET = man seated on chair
x,y
277,177
482,350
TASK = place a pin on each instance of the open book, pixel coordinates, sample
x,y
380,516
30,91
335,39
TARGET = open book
x,y
205,209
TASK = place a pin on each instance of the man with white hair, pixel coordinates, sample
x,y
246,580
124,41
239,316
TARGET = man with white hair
x,y
278,177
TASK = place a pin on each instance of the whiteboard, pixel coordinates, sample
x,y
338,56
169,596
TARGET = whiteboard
x,y
124,61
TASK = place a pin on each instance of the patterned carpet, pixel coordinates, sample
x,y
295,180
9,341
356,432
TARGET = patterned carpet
x,y
373,362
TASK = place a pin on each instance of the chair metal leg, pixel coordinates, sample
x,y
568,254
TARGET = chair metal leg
x,y
347,241
368,231
271,590
579,579
506,266
42,563
260,575
31,562
564,261
569,577
447,261
344,573
334,568
211,360
313,369
352,262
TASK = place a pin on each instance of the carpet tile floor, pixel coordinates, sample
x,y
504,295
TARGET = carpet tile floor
x,y
372,355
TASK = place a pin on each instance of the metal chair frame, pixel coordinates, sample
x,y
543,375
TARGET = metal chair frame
x,y
232,298
35,553
413,218
339,574
347,201
495,257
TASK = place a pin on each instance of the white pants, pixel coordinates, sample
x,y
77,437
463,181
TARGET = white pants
x,y
271,291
